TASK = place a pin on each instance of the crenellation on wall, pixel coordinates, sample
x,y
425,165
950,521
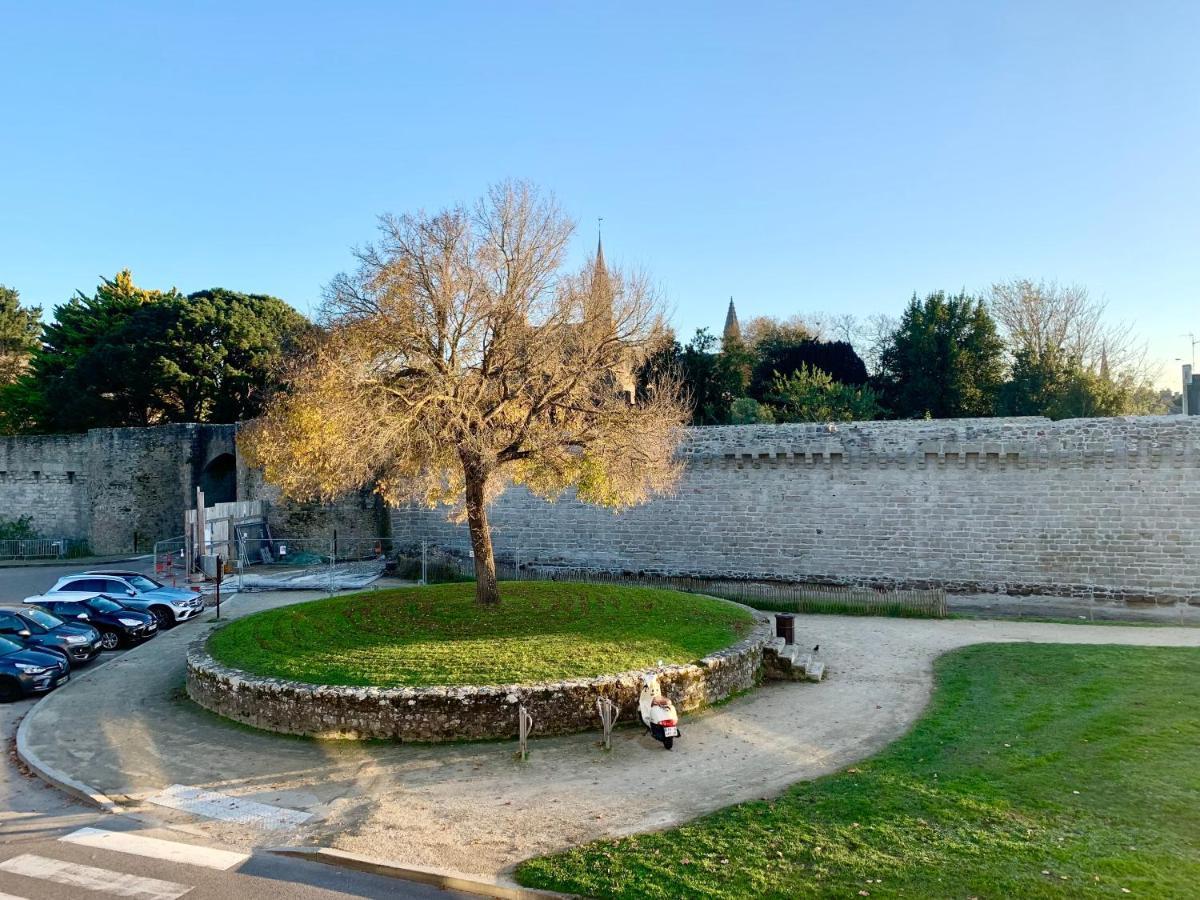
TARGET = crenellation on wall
x,y
1094,507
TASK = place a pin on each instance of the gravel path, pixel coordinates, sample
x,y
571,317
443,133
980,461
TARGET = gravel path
x,y
472,807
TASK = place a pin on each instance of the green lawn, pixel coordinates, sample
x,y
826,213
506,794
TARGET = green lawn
x,y
1038,771
540,631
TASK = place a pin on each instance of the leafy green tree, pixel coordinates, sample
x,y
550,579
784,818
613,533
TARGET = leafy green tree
x,y
211,356
131,356
748,411
19,328
944,360
75,382
704,380
783,355
811,395
1059,386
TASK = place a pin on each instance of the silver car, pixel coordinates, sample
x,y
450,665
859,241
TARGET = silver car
x,y
167,604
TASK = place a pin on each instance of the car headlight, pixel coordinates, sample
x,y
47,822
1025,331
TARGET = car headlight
x,y
129,622
179,602
76,639
31,669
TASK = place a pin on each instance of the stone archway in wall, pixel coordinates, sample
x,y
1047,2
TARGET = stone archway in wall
x,y
218,479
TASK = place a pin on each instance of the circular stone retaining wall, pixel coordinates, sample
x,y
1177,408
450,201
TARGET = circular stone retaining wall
x,y
458,713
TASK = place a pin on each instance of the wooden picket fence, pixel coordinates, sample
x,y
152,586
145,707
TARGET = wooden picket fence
x,y
774,596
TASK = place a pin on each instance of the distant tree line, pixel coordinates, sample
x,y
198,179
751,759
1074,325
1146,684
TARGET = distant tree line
x,y
125,355
1025,348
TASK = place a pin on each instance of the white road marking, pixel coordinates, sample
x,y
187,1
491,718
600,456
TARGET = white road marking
x,y
155,848
92,878
215,805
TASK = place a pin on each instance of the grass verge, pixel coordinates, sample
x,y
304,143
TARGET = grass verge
x,y
1038,771
438,635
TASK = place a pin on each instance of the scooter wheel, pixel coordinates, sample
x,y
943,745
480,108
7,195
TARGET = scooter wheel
x,y
668,742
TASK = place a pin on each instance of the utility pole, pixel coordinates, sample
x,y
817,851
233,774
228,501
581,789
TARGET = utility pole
x,y
1191,336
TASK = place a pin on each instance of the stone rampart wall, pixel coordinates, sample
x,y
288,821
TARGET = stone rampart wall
x,y
117,487
461,713
45,477
1080,507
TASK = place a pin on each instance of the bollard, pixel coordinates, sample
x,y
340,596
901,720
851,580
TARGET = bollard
x,y
785,627
524,726
608,717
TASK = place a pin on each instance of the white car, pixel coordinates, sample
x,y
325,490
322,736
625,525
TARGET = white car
x,y
167,604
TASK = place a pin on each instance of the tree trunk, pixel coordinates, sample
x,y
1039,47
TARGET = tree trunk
x,y
486,591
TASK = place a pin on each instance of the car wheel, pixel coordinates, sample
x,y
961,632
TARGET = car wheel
x,y
110,640
165,617
9,690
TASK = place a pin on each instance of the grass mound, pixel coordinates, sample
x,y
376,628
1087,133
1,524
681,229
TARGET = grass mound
x,y
1038,771
437,635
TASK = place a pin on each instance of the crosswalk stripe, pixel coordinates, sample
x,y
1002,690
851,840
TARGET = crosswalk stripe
x,y
215,805
156,848
92,878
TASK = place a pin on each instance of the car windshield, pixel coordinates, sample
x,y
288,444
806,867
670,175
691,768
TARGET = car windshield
x,y
142,583
43,618
7,646
103,604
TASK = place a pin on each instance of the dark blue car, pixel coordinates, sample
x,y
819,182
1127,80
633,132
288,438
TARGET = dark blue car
x,y
24,671
41,630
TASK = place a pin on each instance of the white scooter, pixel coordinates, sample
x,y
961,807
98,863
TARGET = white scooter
x,y
658,713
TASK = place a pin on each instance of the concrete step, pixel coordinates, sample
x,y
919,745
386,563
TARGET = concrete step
x,y
788,662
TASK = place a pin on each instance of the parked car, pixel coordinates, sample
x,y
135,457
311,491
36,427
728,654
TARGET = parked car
x,y
78,642
117,623
25,671
167,604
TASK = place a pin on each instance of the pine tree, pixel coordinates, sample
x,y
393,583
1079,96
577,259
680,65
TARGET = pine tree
x,y
19,328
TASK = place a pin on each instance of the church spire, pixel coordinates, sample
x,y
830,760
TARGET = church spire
x,y
602,292
733,331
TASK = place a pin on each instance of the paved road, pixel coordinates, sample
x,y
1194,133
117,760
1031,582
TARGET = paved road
x,y
54,848
471,807
19,582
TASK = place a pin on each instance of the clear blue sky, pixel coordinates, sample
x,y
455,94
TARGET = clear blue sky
x,y
833,156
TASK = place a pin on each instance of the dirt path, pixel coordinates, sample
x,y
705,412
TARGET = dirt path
x,y
472,807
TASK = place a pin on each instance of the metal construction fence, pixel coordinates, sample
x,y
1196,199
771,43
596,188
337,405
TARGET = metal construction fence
x,y
440,564
44,548
276,564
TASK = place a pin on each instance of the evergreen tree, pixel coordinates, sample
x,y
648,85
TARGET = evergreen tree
x,y
783,355
19,327
811,395
944,360
130,356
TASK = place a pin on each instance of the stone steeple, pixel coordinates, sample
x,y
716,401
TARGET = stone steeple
x,y
733,331
602,293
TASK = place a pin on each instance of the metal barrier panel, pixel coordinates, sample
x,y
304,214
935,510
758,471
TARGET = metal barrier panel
x,y
43,548
281,564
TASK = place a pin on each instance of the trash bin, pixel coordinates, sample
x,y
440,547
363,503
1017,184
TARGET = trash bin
x,y
785,627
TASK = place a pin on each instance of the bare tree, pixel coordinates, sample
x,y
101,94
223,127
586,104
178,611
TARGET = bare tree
x,y
460,357
1045,319
843,327
875,335
763,328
